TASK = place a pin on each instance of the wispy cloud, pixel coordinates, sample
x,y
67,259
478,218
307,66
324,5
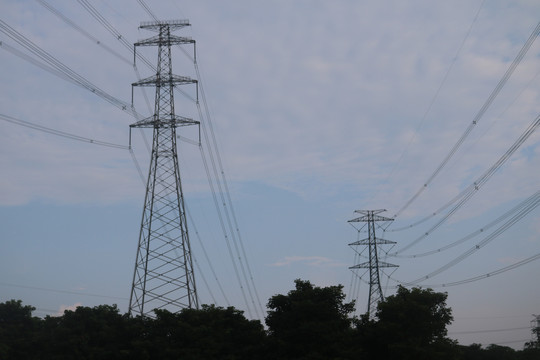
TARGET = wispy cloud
x,y
325,111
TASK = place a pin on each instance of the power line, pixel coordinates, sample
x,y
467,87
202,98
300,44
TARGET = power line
x,y
490,274
436,95
224,230
201,243
97,41
57,68
435,213
472,189
498,220
491,317
137,166
475,278
63,72
477,118
60,133
147,9
511,342
486,331
118,36
62,291
74,137
53,65
501,229
222,179
99,18
81,30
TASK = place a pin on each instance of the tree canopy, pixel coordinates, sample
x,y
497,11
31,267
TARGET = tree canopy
x,y
308,322
410,324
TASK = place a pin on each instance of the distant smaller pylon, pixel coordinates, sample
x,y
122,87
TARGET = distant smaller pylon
x,y
373,263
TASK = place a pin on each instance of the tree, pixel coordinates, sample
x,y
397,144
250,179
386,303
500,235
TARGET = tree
x,y
208,333
471,352
100,332
532,348
535,344
498,352
309,322
17,329
410,325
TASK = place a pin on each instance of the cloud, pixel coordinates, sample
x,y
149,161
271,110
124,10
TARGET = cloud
x,y
67,307
328,95
315,261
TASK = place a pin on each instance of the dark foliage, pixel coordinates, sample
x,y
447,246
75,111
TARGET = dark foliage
x,y
410,325
308,322
16,329
102,333
208,333
86,333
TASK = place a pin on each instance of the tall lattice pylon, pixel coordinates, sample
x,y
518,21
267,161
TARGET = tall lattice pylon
x,y
373,263
163,276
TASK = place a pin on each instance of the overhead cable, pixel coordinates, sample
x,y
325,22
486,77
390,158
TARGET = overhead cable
x,y
222,179
472,189
486,331
477,118
501,229
53,65
487,275
72,24
224,230
62,291
497,221
81,30
201,243
436,95
60,133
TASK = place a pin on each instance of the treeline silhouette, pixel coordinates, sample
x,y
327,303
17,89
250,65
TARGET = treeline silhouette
x,y
308,322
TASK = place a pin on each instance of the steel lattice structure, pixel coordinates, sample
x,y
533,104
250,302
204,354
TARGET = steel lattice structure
x,y
163,275
375,290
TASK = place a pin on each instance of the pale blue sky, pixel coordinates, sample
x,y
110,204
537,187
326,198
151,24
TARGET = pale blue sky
x,y
319,108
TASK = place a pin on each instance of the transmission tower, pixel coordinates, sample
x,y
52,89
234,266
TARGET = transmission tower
x,y
163,276
372,242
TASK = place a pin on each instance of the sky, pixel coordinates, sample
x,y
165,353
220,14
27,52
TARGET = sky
x,y
319,109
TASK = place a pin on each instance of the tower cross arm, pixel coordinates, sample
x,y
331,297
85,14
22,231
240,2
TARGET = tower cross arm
x,y
367,265
366,212
156,25
385,264
364,265
377,241
367,218
169,40
175,121
168,80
